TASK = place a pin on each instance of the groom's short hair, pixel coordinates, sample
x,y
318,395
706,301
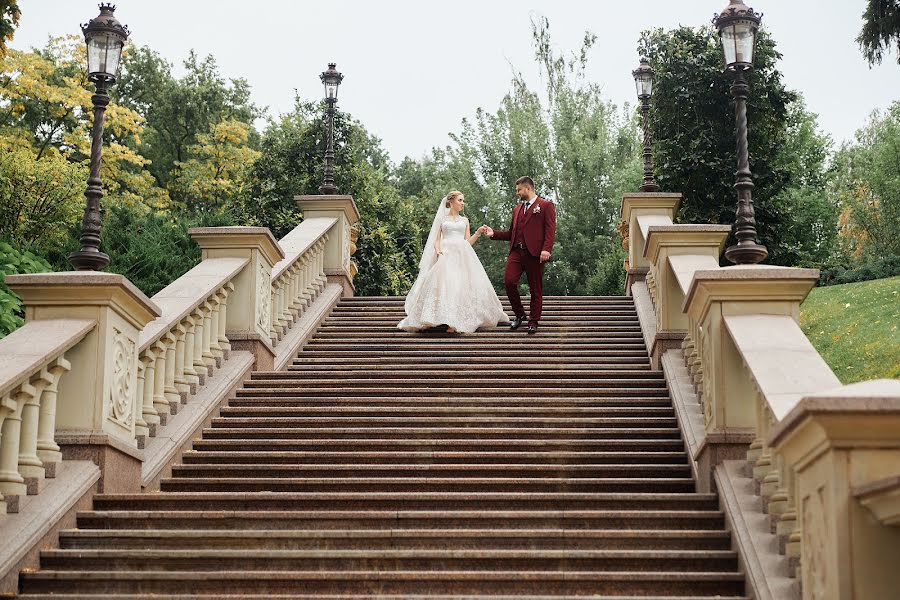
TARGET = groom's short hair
x,y
526,180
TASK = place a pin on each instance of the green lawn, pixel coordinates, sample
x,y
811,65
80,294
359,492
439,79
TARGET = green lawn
x,y
856,328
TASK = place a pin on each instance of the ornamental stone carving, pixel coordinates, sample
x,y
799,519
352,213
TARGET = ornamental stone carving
x,y
121,391
264,300
814,531
346,250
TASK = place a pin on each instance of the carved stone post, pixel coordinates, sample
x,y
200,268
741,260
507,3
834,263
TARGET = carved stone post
x,y
336,259
639,211
98,417
249,315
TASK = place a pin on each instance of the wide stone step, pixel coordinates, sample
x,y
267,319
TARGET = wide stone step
x,y
364,443
572,320
411,364
325,539
376,422
525,394
704,519
497,372
406,501
544,434
510,356
388,582
422,484
565,412
472,459
491,560
424,403
445,470
350,329
151,596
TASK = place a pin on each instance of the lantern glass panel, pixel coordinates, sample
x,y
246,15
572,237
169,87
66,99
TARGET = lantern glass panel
x,y
103,54
331,88
644,85
738,41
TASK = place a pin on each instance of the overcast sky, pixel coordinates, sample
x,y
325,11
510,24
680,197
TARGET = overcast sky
x,y
414,69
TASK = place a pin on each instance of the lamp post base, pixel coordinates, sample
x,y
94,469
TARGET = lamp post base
x,y
746,254
328,190
649,187
88,260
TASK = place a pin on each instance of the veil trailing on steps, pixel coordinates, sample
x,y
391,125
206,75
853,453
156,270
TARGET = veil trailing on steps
x,y
428,256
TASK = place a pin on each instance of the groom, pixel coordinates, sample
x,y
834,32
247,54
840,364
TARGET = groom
x,y
530,242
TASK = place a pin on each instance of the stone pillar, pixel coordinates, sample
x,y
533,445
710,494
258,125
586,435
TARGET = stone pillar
x,y
248,319
726,390
843,445
691,248
341,238
98,400
653,208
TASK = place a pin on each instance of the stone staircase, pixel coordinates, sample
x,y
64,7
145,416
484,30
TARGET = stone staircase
x,y
388,464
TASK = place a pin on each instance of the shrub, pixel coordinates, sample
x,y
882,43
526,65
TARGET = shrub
x,y
14,261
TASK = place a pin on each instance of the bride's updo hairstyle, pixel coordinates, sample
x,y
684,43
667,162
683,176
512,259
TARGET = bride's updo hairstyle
x,y
451,196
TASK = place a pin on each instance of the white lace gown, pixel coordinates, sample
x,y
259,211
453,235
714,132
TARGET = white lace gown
x,y
455,290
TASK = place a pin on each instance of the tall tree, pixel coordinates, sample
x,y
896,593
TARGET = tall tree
x,y
291,163
692,120
178,110
9,19
881,30
867,187
581,150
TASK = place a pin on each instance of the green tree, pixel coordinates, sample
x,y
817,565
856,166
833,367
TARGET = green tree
x,y
867,187
292,163
881,30
692,121
9,19
581,150
179,110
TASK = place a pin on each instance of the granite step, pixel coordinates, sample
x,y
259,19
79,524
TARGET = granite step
x,y
386,560
444,470
389,582
151,596
406,501
469,434
474,459
363,443
705,519
349,539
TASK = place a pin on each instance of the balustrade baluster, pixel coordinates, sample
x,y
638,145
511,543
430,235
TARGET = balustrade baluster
x,y
169,390
151,416
160,402
190,373
214,345
47,448
223,292
11,481
181,383
30,465
199,325
207,356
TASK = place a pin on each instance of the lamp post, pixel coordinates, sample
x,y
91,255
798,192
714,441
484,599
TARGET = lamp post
x,y
105,37
643,80
738,25
332,80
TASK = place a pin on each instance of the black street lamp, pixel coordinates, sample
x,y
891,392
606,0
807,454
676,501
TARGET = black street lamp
x,y
738,25
332,80
643,80
105,37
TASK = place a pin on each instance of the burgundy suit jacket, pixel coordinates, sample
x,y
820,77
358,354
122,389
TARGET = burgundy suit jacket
x,y
540,226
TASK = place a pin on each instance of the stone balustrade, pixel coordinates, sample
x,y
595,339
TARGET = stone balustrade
x,y
823,459
299,277
123,365
32,361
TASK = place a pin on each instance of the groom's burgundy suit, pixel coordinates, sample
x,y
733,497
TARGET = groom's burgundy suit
x,y
532,232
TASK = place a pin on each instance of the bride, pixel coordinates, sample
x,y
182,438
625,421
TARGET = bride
x,y
452,287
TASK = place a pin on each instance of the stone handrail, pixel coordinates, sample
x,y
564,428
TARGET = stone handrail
x,y
299,277
180,349
32,360
823,458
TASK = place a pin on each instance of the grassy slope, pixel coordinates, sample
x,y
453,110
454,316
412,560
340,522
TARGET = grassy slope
x,y
856,328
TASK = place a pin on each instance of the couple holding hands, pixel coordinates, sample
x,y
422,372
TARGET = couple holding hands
x,y
453,288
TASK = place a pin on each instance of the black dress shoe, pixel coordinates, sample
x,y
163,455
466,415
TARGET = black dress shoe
x,y
532,328
517,322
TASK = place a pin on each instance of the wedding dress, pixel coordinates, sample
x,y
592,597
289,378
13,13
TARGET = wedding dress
x,y
452,289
